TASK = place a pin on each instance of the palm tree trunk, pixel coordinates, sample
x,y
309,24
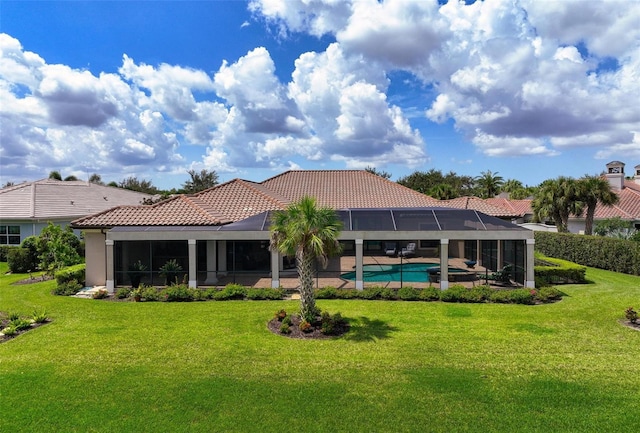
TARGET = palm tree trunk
x,y
307,298
588,221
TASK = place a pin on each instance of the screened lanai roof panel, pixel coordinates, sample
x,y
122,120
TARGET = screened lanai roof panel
x,y
415,220
410,219
372,219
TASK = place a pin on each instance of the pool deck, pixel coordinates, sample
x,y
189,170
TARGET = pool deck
x,y
329,278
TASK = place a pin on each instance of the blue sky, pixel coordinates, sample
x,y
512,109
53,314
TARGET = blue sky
x,y
529,89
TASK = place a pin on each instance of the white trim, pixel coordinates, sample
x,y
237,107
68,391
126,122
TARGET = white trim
x,y
110,286
444,285
275,284
530,284
193,283
359,285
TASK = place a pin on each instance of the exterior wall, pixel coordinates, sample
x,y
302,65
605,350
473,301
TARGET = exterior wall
x,y
33,228
95,258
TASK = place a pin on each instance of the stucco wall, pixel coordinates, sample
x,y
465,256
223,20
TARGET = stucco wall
x,y
95,258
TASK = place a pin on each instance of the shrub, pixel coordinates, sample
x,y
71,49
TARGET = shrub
x,y
631,315
177,293
455,293
13,316
285,328
513,296
39,316
616,255
408,294
149,294
347,293
265,294
100,294
4,251
370,293
20,324
9,331
287,320
231,291
76,272
429,294
67,288
20,261
546,294
280,315
305,326
327,293
388,294
329,325
123,292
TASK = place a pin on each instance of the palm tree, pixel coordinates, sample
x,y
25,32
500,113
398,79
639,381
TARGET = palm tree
x,y
308,232
443,191
557,199
489,184
594,190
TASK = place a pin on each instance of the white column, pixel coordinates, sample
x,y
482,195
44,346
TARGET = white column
x,y
359,263
212,262
110,282
193,261
530,280
275,269
444,264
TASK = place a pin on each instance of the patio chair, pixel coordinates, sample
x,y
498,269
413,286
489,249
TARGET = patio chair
x,y
390,249
409,250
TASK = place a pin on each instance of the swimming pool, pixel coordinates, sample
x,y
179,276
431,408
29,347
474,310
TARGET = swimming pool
x,y
409,272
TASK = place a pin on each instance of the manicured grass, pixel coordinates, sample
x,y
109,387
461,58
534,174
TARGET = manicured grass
x,y
404,367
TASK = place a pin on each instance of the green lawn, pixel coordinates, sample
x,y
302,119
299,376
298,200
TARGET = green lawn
x,y
404,367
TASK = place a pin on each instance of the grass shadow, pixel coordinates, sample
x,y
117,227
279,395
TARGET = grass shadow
x,y
363,329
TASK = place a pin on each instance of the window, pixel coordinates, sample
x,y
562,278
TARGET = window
x,y
9,235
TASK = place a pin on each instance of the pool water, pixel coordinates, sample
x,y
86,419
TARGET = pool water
x,y
409,272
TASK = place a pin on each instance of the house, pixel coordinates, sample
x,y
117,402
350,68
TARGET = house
x,y
225,229
26,208
627,209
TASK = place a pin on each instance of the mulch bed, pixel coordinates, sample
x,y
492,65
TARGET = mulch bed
x,y
33,280
5,322
315,334
628,324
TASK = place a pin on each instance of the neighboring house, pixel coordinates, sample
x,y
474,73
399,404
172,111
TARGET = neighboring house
x,y
26,208
627,209
225,229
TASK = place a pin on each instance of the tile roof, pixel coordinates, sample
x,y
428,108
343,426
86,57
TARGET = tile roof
x,y
341,189
518,207
628,207
55,199
238,199
479,205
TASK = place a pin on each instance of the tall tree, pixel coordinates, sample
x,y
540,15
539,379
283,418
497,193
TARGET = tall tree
x,y
310,233
70,177
557,199
593,190
200,181
55,175
132,183
489,184
377,172
443,191
96,178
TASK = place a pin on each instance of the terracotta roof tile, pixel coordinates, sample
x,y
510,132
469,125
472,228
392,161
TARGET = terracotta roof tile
x,y
340,189
479,205
519,207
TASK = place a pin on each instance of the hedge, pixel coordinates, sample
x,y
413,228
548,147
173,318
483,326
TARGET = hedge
x,y
75,272
550,271
617,255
